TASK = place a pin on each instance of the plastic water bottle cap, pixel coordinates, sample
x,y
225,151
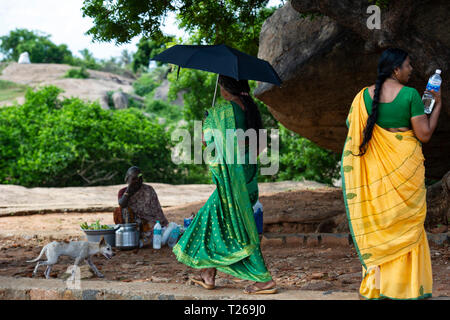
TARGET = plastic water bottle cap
x,y
438,71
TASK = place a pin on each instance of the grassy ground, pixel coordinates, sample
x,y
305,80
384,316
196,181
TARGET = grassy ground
x,y
10,90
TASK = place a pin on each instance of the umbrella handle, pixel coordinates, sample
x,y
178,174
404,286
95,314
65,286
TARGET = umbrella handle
x,y
215,91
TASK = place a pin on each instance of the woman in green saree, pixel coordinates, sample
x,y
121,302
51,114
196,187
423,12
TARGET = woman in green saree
x,y
223,235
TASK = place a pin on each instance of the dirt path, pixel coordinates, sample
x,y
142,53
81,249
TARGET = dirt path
x,y
17,199
293,266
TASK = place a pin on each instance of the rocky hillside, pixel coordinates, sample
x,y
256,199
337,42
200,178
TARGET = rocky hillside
x,y
40,74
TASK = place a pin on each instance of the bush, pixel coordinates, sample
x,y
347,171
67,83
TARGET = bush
x,y
53,143
163,109
302,159
145,84
10,90
77,73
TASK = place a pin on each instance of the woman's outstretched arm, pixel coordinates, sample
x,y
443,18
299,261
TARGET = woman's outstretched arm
x,y
423,125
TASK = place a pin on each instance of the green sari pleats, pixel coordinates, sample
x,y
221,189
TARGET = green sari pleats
x,y
223,234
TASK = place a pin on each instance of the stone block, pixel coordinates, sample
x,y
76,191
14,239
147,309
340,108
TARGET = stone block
x,y
294,241
335,239
313,240
89,294
272,242
43,294
438,238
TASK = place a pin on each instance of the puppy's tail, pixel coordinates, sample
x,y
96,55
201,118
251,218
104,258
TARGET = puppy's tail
x,y
44,249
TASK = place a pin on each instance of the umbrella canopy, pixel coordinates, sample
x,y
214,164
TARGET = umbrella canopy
x,y
220,59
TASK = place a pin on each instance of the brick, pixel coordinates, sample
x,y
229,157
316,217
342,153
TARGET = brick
x,y
14,294
90,294
272,242
68,295
294,241
335,240
438,238
42,294
312,240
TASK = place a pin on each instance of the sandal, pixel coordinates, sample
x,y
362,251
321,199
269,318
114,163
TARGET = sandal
x,y
252,289
199,280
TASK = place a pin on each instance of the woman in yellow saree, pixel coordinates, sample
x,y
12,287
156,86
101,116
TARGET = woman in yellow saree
x,y
383,177
223,234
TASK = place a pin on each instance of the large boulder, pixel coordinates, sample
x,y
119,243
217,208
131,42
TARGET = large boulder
x,y
120,100
326,60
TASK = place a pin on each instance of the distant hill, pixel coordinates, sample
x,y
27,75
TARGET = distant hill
x,y
40,74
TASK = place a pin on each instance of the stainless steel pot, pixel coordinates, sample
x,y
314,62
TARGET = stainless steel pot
x,y
127,236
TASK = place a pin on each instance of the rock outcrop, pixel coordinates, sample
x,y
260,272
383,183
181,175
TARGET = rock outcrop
x,y
325,61
120,100
42,74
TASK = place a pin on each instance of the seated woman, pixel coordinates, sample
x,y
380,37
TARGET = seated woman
x,y
139,203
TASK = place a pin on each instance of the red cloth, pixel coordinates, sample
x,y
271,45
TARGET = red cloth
x,y
121,192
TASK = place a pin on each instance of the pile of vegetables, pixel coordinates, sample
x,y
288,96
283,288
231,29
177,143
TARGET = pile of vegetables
x,y
95,226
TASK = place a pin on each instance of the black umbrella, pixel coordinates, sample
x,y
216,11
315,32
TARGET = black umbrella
x,y
220,59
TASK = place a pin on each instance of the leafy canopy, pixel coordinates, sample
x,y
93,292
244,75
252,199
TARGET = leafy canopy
x,y
39,46
233,22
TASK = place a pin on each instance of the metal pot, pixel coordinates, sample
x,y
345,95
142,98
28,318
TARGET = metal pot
x,y
127,236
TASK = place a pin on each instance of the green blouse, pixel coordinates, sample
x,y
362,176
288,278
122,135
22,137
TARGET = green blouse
x,y
398,113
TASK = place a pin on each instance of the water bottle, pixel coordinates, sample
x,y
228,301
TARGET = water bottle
x,y
173,237
188,221
157,236
434,83
258,214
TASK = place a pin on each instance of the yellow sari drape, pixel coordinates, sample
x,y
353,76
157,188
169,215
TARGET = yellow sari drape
x,y
385,198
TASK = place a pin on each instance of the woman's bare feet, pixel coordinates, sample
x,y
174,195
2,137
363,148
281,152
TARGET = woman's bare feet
x,y
209,276
261,288
206,278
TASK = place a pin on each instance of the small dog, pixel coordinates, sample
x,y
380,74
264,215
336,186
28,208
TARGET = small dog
x,y
80,250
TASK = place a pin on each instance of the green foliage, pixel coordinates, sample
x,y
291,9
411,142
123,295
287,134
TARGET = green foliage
x,y
302,159
163,109
234,22
77,73
51,142
145,84
95,226
147,48
381,3
87,61
3,65
10,90
198,87
37,44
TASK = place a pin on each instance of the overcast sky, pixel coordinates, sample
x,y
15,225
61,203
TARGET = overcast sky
x,y
63,20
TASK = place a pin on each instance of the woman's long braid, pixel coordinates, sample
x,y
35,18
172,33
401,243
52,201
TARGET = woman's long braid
x,y
390,59
368,130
